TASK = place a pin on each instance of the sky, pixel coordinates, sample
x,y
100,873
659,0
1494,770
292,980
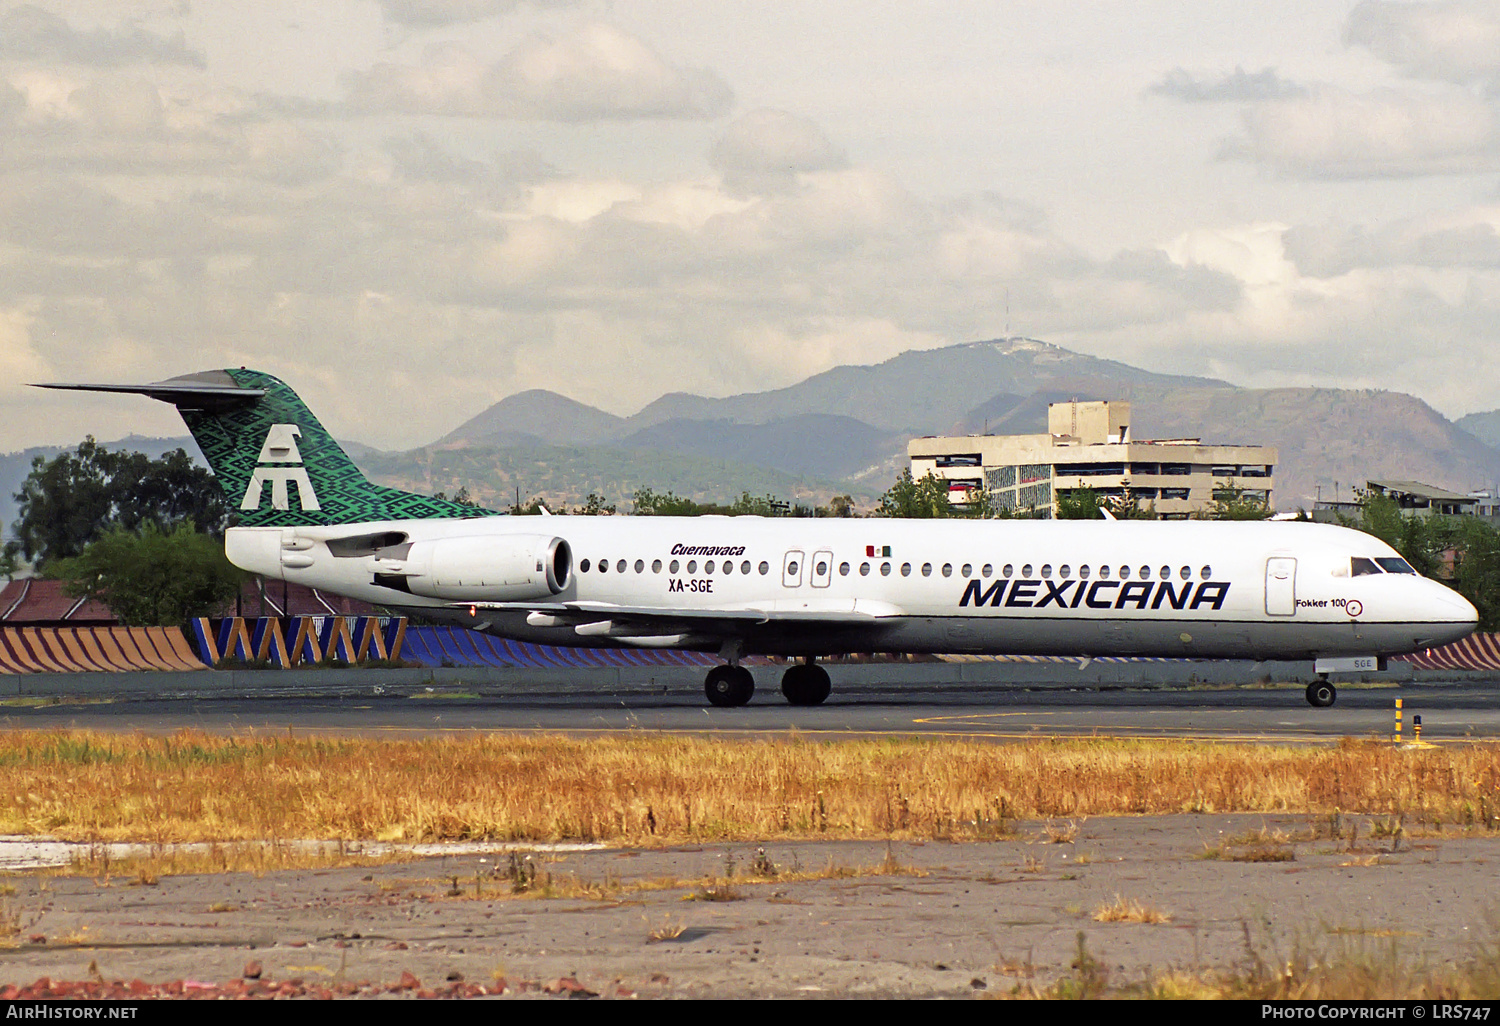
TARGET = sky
x,y
410,209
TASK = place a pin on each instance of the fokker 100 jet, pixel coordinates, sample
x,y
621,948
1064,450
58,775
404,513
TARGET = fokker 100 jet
x,y
801,588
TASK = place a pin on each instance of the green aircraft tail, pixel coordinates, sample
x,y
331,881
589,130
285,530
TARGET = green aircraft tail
x,y
277,464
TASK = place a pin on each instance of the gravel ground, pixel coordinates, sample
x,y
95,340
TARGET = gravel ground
x,y
951,920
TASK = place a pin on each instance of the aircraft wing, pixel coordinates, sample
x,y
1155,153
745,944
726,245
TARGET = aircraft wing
x,y
648,625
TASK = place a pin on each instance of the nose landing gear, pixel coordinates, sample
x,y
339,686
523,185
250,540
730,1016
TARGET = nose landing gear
x,y
728,686
1321,694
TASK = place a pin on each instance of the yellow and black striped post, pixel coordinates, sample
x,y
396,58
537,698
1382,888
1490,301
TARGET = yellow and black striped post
x,y
1398,721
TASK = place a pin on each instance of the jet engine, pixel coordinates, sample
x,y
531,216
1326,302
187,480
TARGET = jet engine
x,y
492,568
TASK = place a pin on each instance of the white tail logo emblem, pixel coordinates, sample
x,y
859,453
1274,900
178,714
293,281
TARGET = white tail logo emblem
x,y
280,447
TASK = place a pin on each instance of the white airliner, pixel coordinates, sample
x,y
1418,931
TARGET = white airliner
x,y
802,587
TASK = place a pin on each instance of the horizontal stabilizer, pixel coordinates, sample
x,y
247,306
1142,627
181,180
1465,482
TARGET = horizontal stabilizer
x,y
211,392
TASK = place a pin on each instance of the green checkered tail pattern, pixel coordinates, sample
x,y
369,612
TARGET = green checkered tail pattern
x,y
280,468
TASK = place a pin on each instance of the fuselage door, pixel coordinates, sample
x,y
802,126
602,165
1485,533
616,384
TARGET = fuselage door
x,y
822,569
1281,586
791,569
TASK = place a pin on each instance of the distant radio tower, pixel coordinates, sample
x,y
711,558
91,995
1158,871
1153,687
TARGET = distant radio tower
x,y
1007,313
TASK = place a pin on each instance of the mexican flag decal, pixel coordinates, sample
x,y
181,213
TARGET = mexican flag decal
x,y
877,550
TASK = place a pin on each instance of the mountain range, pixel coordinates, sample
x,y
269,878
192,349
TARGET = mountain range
x,y
844,431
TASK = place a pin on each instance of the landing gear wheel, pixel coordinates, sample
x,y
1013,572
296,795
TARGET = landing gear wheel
x,y
1321,694
729,686
806,684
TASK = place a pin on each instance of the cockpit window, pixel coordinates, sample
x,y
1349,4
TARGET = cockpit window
x,y
1394,565
1359,566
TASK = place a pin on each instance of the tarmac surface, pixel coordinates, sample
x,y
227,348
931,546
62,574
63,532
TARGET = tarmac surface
x,y
942,920
817,919
1450,711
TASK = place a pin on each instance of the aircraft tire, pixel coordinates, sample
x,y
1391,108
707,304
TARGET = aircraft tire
x,y
729,686
806,684
1321,694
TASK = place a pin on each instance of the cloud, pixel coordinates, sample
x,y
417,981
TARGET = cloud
x,y
28,33
117,124
767,149
432,13
1239,86
1331,133
1456,41
595,73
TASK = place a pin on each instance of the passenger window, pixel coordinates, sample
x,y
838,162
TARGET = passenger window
x,y
926,569
1186,573
1145,573
885,569
947,569
1104,573
674,566
583,567
1394,565
656,566
692,567
1026,570
1359,566
1008,570
864,569
1083,573
640,566
745,567
1166,573
729,566
708,567
968,568
821,570
764,568
1124,573
1206,572
905,569
1065,571
843,569
620,566
1047,571
791,568
604,566
986,570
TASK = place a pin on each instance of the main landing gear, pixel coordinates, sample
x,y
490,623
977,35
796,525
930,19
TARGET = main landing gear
x,y
1321,694
804,683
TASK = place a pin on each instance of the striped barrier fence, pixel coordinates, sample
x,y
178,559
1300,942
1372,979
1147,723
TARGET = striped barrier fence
x,y
313,639
95,649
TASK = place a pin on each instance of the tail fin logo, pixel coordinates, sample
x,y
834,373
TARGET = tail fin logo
x,y
280,448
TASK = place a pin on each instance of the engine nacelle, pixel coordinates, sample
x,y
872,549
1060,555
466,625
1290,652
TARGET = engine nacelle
x,y
493,568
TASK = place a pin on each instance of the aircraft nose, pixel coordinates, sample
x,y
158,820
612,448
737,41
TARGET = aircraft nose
x,y
1456,609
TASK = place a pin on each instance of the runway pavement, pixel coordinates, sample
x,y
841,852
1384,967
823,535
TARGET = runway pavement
x,y
1450,711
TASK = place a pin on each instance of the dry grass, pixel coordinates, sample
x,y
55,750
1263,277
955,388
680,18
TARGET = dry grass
x,y
1338,968
1128,910
660,790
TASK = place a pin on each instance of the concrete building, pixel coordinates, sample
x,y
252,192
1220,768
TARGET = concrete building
x,y
1414,498
1088,445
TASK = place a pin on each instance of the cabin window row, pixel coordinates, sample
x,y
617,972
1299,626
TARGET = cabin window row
x,y
1063,572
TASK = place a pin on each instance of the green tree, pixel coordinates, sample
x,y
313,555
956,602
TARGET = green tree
x,y
910,499
1477,573
75,498
1078,504
1232,503
154,578
594,506
649,504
